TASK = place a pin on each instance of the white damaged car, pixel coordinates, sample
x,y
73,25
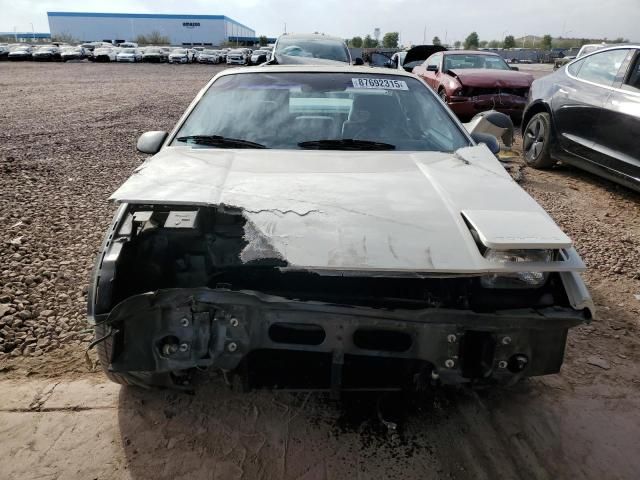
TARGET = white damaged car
x,y
329,228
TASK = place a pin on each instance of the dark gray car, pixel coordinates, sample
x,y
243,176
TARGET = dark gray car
x,y
588,114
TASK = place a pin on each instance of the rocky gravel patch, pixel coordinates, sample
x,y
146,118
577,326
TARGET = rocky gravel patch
x,y
67,142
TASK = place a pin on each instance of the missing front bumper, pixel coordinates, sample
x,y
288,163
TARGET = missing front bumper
x,y
173,330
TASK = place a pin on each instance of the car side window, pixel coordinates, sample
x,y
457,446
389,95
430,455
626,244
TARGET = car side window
x,y
602,68
633,77
434,60
574,68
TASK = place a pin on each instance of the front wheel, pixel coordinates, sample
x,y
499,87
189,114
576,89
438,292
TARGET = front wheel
x,y
443,95
536,142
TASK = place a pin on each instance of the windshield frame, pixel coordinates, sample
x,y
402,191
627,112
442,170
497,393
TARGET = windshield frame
x,y
474,54
171,138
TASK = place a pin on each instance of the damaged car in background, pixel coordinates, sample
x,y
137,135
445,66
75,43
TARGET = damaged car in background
x,y
470,82
332,228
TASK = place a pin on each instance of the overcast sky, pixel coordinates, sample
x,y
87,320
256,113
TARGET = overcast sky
x,y
451,20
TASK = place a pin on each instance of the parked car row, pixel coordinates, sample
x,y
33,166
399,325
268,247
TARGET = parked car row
x,y
130,52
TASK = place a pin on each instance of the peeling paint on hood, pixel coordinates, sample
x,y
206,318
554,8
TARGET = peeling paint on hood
x,y
347,211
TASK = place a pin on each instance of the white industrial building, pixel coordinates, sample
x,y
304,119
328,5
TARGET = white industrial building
x,y
180,29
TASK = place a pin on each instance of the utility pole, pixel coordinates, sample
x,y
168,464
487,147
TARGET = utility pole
x,y
424,35
285,27
33,34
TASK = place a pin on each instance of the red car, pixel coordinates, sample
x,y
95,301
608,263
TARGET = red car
x,y
475,81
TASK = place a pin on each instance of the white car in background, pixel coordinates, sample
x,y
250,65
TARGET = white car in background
x,y
259,56
46,53
239,56
210,56
310,49
4,51
131,55
181,55
105,54
20,52
72,53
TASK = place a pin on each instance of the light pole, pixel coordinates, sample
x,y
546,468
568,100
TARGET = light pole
x,y
33,33
504,38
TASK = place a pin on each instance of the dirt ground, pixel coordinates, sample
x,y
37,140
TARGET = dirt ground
x,y
67,137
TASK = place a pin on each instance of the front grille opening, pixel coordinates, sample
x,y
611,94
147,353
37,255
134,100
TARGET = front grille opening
x,y
477,351
382,340
297,333
382,373
299,370
288,369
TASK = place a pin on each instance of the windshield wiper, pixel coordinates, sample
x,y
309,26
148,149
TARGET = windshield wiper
x,y
345,144
219,141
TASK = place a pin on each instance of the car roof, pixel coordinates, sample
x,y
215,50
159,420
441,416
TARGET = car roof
x,y
622,46
470,52
355,69
312,35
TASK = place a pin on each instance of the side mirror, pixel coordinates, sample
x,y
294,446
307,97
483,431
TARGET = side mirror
x,y
513,67
489,140
358,61
432,68
493,123
150,142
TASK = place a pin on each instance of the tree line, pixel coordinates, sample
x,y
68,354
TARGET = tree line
x,y
473,42
389,40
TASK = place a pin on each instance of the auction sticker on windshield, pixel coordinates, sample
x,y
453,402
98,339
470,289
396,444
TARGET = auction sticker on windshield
x,y
388,84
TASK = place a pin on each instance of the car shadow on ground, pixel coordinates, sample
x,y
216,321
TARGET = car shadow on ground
x,y
217,433
593,180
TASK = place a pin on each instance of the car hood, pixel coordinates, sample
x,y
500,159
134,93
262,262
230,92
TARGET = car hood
x,y
421,52
355,211
483,77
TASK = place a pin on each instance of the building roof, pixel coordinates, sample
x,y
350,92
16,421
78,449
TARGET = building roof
x,y
26,34
147,15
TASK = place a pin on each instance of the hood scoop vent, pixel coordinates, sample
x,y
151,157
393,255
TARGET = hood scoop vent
x,y
505,230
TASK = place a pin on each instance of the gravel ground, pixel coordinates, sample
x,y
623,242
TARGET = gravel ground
x,y
67,141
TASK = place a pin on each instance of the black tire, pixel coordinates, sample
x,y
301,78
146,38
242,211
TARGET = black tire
x,y
536,142
139,379
443,95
